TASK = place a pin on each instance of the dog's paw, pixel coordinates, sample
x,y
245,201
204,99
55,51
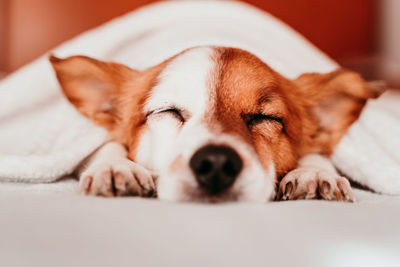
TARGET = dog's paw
x,y
117,178
306,183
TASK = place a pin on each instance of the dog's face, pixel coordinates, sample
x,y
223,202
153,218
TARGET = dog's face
x,y
215,123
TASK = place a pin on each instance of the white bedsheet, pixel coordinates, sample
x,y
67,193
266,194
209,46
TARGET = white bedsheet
x,y
49,225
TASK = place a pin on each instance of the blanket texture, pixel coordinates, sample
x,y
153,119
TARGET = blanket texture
x,y
43,138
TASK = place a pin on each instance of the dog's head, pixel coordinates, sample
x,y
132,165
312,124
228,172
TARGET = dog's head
x,y
215,123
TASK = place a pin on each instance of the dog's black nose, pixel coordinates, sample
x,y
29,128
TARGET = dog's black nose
x,y
216,167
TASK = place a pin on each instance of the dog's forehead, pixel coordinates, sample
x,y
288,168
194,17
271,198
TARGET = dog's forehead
x,y
201,79
184,82
243,79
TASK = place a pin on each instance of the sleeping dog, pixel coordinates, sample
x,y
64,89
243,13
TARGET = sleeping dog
x,y
213,124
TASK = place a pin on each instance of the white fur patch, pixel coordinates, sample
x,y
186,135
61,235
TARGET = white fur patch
x,y
181,84
254,183
185,84
317,161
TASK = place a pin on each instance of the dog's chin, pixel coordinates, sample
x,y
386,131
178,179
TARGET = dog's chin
x,y
185,191
199,195
253,185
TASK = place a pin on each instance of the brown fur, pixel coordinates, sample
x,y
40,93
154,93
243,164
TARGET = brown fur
x,y
314,110
91,84
246,85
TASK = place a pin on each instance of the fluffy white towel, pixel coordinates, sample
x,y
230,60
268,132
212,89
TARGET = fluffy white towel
x,y
43,138
370,151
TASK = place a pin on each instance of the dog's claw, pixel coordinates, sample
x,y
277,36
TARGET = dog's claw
x,y
288,191
325,188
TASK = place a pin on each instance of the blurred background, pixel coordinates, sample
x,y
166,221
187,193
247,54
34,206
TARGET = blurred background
x,y
359,34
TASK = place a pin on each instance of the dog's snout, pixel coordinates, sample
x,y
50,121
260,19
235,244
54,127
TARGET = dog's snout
x,y
216,167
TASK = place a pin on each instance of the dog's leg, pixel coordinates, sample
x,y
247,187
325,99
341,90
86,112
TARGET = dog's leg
x,y
108,172
315,178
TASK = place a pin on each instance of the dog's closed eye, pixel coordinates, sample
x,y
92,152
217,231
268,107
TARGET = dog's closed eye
x,y
254,119
263,124
172,111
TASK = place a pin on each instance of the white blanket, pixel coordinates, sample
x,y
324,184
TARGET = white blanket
x,y
43,138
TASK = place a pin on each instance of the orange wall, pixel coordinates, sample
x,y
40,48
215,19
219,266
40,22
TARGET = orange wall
x,y
342,28
39,25
3,34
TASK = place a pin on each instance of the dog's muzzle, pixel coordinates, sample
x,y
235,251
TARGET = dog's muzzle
x,y
216,167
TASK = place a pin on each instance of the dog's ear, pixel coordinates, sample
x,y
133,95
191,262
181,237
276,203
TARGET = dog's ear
x,y
93,86
333,101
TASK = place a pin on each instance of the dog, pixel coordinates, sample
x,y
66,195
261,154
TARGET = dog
x,y
213,124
